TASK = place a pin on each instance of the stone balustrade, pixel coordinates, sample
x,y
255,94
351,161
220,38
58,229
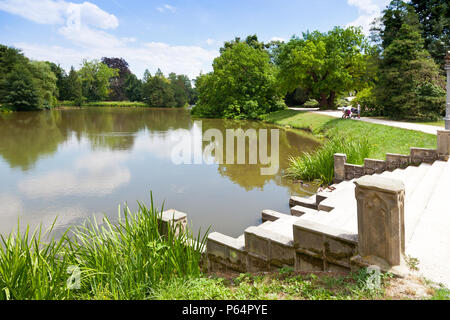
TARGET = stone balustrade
x,y
344,171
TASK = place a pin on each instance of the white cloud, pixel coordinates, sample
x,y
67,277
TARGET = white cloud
x,y
368,11
85,25
189,60
43,12
166,7
59,12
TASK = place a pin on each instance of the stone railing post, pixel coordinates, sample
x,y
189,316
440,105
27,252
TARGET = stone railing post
x,y
339,167
443,144
381,227
172,219
447,114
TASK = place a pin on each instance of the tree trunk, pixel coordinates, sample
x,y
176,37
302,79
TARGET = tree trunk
x,y
323,101
331,99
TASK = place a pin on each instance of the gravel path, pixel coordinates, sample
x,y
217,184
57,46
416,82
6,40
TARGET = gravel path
x,y
404,125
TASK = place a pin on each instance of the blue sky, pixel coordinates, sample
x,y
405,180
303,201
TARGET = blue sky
x,y
181,36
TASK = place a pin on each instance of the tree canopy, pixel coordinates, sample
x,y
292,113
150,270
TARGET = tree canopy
x,y
242,85
409,82
325,64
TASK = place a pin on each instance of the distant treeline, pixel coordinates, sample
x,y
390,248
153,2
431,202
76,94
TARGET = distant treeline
x,y
32,85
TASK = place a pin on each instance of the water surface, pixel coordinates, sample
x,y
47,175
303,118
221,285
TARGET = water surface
x,y
76,163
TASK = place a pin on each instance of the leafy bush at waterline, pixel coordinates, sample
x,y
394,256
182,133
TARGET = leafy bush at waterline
x,y
125,260
320,165
242,85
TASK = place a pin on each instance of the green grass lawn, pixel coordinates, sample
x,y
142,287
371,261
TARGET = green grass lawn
x,y
383,139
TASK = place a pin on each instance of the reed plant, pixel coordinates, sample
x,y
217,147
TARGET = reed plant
x,y
319,165
121,260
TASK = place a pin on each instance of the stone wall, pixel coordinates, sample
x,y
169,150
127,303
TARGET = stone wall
x,y
344,171
313,247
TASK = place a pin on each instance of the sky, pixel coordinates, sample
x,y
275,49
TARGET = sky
x,y
181,36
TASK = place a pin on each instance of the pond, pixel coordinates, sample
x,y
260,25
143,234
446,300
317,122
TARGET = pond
x,y
78,163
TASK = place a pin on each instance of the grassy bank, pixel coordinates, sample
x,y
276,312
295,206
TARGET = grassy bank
x,y
376,140
105,104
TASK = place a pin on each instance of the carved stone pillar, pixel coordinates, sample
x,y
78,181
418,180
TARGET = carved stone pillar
x,y
339,167
443,144
381,227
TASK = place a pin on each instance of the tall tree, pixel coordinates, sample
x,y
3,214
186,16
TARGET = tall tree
x,y
74,89
410,85
157,91
324,64
242,85
95,78
117,84
20,91
434,15
133,88
45,81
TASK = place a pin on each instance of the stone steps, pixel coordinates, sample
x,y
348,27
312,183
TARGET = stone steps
x,y
321,233
418,200
434,261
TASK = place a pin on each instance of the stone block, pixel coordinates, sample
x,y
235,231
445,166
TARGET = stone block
x,y
304,202
282,254
443,144
340,251
372,166
353,171
257,244
339,167
396,161
331,267
256,264
307,262
422,155
381,227
227,251
173,219
306,239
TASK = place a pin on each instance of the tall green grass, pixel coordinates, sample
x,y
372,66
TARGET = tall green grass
x,y
122,260
319,165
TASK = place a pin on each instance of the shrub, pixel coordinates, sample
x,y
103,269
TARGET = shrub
x,y
311,103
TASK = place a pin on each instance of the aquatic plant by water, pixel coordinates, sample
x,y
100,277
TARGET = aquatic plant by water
x,y
122,260
319,165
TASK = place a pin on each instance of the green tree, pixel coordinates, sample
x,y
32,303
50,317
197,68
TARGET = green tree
x,y
74,89
20,92
45,81
157,91
324,64
61,80
434,15
242,85
409,82
133,88
95,80
117,84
